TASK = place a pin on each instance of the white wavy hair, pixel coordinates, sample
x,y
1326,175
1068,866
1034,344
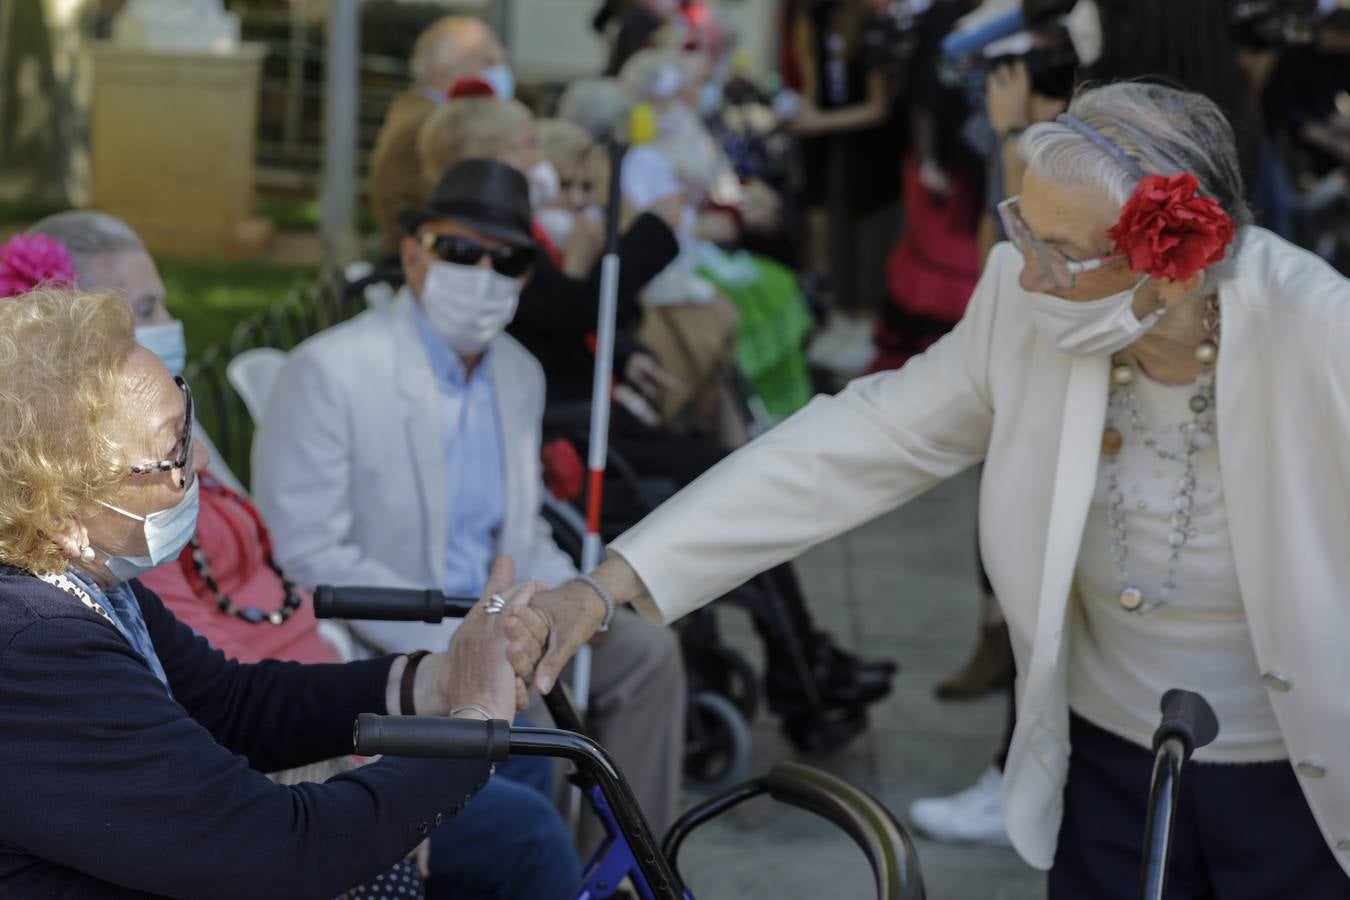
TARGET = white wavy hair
x,y
1166,131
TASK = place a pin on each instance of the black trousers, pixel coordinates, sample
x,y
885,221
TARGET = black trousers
x,y
1243,832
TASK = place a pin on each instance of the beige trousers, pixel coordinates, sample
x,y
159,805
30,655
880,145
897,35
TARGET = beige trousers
x,y
637,704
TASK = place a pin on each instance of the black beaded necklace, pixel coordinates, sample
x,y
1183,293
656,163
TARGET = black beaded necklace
x,y
197,568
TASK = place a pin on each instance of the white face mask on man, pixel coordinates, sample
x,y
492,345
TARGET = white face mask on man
x,y
468,306
1091,327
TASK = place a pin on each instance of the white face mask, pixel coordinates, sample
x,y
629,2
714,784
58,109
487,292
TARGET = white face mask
x,y
545,185
501,80
557,223
166,532
166,341
1091,327
468,306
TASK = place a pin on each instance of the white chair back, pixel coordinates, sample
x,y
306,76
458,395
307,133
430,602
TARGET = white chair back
x,y
252,374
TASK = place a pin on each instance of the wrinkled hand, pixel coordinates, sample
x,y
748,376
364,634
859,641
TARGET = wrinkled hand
x,y
645,373
572,614
491,657
1007,96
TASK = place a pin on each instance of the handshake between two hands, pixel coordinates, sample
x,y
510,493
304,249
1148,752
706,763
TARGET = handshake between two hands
x,y
495,658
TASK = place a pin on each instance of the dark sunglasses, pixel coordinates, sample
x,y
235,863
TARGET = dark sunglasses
x,y
512,262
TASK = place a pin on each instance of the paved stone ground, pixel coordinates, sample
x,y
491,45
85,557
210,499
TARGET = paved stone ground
x,y
903,586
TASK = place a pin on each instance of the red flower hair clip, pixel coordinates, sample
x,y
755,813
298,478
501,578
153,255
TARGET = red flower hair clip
x,y
28,260
470,87
1168,231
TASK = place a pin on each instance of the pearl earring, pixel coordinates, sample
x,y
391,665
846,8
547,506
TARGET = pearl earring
x,y
86,554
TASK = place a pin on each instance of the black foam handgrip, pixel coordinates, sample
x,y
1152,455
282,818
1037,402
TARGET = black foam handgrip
x,y
1188,716
429,737
386,604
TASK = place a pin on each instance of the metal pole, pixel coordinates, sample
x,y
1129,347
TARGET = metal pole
x,y
1163,795
337,203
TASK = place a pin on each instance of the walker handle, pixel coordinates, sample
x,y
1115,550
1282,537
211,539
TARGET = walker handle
x,y
387,604
432,737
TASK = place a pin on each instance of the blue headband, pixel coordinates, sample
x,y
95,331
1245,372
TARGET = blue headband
x,y
1105,143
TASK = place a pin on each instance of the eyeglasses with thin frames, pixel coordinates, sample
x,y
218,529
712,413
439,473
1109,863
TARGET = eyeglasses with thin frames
x,y
1061,269
183,463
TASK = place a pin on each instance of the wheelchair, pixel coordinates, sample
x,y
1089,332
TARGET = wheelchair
x,y
629,853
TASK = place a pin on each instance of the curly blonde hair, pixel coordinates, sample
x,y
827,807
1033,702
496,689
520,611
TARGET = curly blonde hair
x,y
61,352
469,128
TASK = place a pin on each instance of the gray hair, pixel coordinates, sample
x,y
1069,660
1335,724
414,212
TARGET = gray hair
x,y
1165,130
596,104
86,234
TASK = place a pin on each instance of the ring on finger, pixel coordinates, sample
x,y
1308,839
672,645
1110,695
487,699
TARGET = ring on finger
x,y
496,603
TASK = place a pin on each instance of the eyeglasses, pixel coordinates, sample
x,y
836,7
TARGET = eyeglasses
x,y
512,262
1061,269
183,464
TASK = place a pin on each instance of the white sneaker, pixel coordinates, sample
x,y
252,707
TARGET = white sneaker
x,y
822,347
845,347
972,816
855,353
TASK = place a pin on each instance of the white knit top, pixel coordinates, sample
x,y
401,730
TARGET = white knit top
x,y
1121,662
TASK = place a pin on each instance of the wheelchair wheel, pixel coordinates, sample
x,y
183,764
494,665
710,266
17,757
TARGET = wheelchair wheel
x,y
717,742
730,674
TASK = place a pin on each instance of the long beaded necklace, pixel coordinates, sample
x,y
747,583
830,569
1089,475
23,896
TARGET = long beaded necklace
x,y
197,568
1196,435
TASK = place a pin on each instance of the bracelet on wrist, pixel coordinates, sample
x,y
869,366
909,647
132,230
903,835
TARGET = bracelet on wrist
x,y
605,595
471,707
405,687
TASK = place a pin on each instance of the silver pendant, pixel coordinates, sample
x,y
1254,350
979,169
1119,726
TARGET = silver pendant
x,y
1131,598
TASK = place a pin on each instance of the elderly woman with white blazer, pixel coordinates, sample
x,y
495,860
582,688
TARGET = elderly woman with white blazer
x,y
1160,394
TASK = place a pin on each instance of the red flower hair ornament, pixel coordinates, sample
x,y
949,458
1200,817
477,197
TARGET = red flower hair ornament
x,y
1168,231
28,260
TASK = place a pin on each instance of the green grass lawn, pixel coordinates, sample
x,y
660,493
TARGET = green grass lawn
x,y
213,296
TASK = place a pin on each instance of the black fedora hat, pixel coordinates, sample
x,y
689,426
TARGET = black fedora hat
x,y
490,197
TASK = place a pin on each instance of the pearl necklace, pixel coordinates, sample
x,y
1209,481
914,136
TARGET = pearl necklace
x,y
1196,435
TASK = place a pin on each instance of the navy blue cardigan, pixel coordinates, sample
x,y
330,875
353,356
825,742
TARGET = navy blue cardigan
x,y
110,789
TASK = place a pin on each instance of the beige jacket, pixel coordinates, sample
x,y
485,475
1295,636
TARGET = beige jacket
x,y
992,390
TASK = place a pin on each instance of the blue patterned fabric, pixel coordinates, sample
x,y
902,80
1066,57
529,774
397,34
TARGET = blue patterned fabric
x,y
125,613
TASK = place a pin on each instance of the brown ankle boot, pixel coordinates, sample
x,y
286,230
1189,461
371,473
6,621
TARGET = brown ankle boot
x,y
990,667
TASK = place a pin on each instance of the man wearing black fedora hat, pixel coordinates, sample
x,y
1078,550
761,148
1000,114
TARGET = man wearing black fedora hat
x,y
411,437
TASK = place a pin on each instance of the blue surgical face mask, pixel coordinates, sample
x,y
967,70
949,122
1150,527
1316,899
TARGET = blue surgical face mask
x,y
166,341
167,532
709,99
502,81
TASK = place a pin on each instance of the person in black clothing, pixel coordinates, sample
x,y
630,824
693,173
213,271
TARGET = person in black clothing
x,y
123,732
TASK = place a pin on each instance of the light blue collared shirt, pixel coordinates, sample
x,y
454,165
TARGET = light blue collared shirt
x,y
475,479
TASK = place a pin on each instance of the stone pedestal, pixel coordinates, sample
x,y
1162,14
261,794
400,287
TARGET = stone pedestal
x,y
172,142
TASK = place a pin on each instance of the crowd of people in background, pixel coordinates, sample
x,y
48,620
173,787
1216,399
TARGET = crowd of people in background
x,y
777,236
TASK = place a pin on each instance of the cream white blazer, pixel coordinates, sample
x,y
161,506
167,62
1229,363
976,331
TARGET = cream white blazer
x,y
349,467
993,390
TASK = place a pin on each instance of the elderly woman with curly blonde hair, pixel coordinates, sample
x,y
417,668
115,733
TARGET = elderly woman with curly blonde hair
x,y
121,732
